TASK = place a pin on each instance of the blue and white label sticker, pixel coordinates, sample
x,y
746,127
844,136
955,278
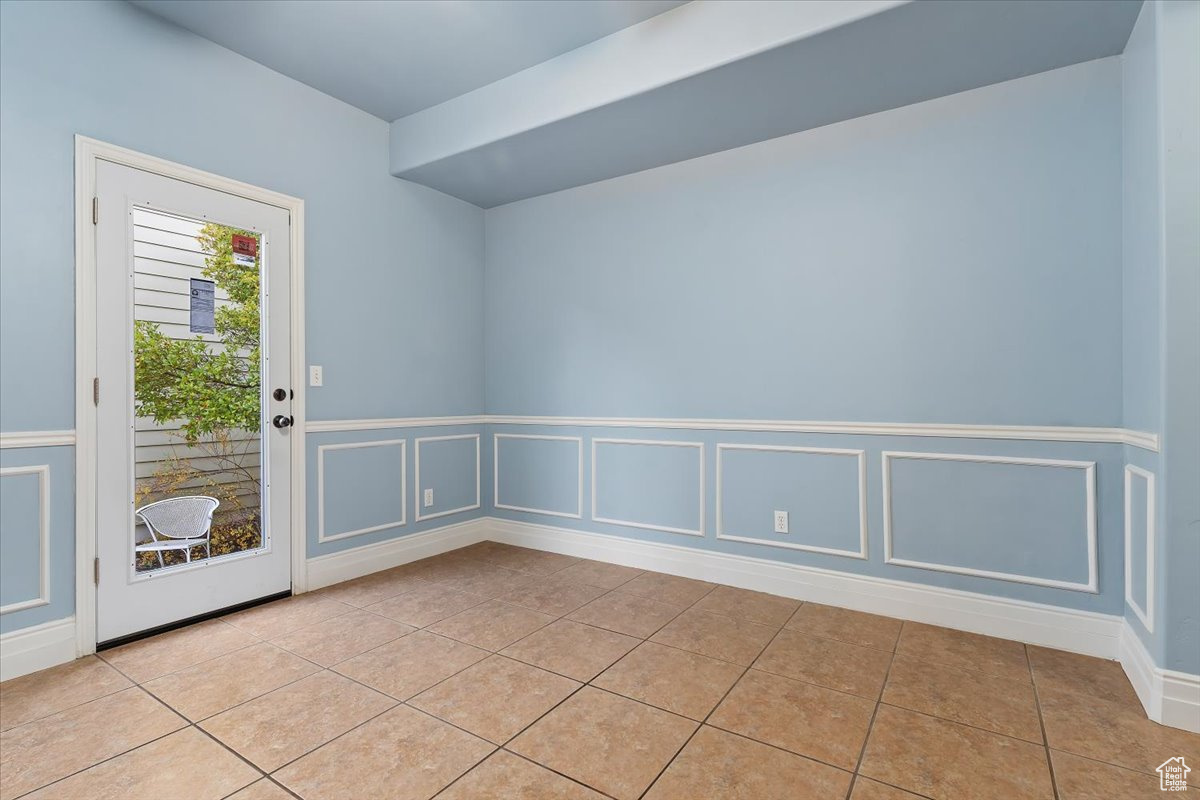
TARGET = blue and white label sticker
x,y
203,306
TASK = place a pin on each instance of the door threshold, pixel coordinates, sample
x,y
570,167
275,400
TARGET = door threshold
x,y
183,623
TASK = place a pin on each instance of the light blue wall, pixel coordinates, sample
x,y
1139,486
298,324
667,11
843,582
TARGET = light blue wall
x,y
544,472
1142,326
989,524
19,551
957,260
953,261
450,465
393,270
370,484
821,492
1179,45
643,483
1141,227
1014,518
1161,314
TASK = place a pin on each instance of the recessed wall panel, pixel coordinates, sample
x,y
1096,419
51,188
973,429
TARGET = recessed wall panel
x,y
539,474
657,485
361,488
21,546
1024,520
822,492
449,467
1139,543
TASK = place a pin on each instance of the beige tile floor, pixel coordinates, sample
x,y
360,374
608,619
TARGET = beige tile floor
x,y
498,672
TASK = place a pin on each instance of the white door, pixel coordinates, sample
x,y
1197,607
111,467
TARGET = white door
x,y
193,338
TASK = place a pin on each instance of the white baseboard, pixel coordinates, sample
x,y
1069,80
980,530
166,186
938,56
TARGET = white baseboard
x,y
1080,631
358,561
37,647
1169,697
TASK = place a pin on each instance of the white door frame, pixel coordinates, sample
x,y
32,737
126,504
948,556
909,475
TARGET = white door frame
x,y
87,153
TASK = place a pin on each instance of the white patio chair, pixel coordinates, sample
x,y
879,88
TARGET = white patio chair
x,y
178,523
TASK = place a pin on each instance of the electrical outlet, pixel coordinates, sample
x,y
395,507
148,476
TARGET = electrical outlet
x,y
316,375
428,497
781,522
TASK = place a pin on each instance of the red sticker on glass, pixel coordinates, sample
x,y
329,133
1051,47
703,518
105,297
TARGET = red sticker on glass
x,y
245,245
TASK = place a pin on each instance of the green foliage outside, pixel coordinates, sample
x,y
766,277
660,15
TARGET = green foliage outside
x,y
209,389
213,392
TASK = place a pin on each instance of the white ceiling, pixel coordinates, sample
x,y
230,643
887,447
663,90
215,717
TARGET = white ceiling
x,y
393,58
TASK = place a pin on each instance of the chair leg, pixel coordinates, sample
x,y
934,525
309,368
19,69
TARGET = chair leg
x,y
160,561
187,555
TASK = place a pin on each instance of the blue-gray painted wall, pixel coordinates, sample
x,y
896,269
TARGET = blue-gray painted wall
x,y
978,519
1161,313
393,270
957,260
20,518
992,257
374,484
1180,96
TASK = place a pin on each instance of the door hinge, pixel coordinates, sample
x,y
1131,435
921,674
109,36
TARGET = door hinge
x,y
96,571
95,210
95,391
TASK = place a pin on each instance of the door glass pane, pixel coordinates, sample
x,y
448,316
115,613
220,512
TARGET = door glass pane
x,y
197,357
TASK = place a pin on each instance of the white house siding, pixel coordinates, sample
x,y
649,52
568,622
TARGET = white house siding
x,y
166,256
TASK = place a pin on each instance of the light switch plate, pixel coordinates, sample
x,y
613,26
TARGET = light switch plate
x,y
316,375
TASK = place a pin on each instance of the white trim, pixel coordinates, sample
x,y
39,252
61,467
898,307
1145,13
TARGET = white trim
x,y
87,153
417,476
1052,626
359,561
1145,612
496,474
861,455
344,425
1089,468
1043,433
42,471
1052,433
19,439
645,525
37,647
1169,697
321,535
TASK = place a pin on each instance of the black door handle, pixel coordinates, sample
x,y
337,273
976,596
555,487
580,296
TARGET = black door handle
x,y
281,421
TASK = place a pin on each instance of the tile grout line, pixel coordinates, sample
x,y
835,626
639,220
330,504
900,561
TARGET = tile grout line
x,y
115,755
1037,702
862,751
534,579
717,705
582,685
589,684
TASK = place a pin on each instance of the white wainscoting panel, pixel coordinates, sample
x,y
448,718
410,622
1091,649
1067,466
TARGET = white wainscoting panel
x,y
42,471
417,475
860,455
1089,472
496,502
1145,608
698,446
322,536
